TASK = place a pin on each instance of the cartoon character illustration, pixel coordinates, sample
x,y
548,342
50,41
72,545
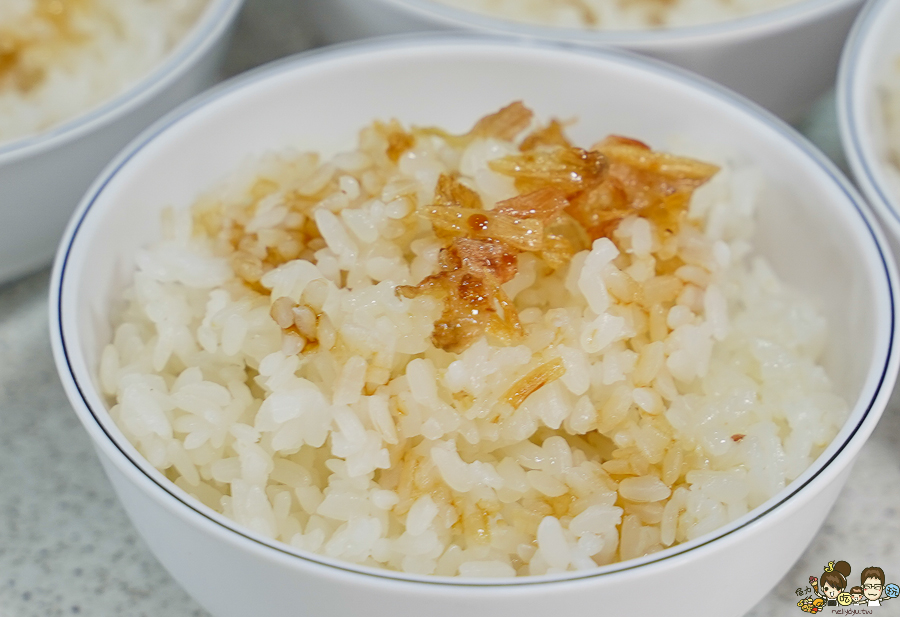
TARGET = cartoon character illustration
x,y
828,590
834,581
810,605
874,589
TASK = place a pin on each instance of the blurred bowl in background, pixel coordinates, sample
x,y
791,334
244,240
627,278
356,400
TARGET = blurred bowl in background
x,y
783,59
819,237
44,175
868,100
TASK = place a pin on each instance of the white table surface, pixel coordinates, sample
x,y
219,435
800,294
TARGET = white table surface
x,y
67,548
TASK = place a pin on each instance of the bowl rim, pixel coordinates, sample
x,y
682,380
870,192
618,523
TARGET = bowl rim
x,y
215,19
124,456
855,88
745,27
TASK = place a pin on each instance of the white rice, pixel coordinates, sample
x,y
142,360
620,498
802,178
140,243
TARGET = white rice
x,y
375,447
60,58
621,15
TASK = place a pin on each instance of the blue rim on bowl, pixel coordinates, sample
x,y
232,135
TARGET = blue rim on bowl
x,y
854,92
94,416
216,18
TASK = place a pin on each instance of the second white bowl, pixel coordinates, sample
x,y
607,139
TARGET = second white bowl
x,y
783,59
870,59
43,176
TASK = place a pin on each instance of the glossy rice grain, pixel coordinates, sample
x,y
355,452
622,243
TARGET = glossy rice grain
x,y
482,355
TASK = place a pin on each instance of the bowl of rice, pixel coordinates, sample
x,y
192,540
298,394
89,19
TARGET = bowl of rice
x,y
783,54
869,109
463,324
78,80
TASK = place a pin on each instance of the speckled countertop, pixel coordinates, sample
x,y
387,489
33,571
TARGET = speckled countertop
x,y
67,548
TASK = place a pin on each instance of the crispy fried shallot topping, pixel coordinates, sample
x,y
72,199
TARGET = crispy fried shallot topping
x,y
563,238
469,284
451,192
505,124
536,379
544,205
550,135
568,197
655,185
398,140
568,169
452,222
482,255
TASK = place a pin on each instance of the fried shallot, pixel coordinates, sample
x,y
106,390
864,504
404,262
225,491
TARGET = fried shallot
x,y
567,198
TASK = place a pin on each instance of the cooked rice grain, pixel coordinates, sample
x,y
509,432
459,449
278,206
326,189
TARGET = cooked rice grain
x,y
60,58
629,15
663,384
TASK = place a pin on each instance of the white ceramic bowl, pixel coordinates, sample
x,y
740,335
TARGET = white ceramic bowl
x,y
873,45
783,59
43,176
820,237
